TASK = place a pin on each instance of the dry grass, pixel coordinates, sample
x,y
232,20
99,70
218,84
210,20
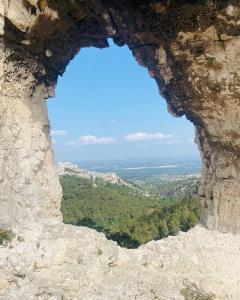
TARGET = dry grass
x,y
192,292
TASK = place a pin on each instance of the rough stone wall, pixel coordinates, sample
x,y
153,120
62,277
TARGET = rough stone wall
x,y
191,49
29,187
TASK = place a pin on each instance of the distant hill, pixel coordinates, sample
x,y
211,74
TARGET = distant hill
x,y
67,168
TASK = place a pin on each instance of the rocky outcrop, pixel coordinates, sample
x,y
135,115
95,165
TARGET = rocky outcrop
x,y
191,49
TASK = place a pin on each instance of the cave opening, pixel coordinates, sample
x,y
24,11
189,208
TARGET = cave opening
x,y
107,118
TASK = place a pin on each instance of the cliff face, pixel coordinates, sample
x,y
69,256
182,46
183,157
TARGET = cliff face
x,y
191,49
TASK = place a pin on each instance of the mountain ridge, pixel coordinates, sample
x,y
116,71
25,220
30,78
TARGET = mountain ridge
x,y
68,168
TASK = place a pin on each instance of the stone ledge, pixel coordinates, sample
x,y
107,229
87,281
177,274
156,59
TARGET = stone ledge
x,y
78,263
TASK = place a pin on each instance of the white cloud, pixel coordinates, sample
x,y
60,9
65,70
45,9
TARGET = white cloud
x,y
145,136
91,140
59,132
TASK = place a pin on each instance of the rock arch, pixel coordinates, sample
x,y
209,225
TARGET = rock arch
x,y
191,49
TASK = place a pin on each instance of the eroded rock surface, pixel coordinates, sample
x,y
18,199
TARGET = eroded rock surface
x,y
79,263
191,49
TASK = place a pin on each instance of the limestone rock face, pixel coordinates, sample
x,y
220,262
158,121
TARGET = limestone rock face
x,y
29,187
191,49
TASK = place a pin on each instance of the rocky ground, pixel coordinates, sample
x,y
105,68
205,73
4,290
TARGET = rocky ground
x,y
65,262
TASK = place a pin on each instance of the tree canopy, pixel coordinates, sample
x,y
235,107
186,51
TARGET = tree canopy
x,y
124,214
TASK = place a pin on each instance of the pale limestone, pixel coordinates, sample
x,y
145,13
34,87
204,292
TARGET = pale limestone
x,y
79,263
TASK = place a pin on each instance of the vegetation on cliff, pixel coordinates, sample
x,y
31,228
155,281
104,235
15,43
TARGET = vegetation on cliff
x,y
5,236
123,214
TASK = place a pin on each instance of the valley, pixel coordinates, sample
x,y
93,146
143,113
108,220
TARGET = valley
x,y
146,204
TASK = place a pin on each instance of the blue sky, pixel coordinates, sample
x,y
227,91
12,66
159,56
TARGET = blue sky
x,y
107,107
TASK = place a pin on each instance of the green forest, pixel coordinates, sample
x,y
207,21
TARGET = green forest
x,y
125,215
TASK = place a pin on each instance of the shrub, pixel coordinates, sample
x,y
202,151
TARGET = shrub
x,y
5,236
192,292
